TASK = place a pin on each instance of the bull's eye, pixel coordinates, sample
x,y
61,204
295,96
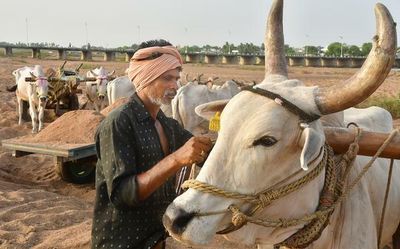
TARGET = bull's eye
x,y
266,141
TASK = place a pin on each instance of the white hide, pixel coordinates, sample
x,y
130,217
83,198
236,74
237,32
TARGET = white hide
x,y
35,93
236,165
190,96
97,90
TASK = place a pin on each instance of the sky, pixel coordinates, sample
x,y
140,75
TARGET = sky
x,y
187,22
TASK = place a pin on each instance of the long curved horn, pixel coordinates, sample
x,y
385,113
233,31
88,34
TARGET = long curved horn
x,y
275,60
371,75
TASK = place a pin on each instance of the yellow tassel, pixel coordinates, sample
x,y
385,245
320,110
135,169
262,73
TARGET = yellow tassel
x,y
215,122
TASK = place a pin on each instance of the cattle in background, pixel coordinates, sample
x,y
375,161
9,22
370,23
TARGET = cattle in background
x,y
191,95
96,92
35,93
270,137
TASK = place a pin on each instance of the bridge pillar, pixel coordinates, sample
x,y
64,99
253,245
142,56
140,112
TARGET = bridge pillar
x,y
313,62
62,54
260,60
229,59
356,62
193,58
109,56
296,61
36,53
211,59
397,63
128,56
328,62
343,62
247,60
8,51
86,55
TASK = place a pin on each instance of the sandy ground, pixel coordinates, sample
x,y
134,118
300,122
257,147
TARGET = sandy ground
x,y
39,210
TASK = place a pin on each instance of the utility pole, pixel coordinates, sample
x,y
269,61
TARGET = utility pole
x,y
86,33
27,36
138,27
341,46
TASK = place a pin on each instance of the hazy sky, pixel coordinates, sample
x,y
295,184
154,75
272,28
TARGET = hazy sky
x,y
187,22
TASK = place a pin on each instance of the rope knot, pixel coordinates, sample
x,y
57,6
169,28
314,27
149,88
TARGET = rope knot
x,y
266,198
238,218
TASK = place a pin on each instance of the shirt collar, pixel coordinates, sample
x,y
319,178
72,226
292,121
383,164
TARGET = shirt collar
x,y
142,113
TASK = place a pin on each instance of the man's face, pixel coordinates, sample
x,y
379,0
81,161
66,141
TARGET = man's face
x,y
163,89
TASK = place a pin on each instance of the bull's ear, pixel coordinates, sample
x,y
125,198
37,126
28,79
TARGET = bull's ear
x,y
312,142
208,110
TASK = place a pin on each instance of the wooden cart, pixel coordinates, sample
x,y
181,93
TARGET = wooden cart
x,y
75,163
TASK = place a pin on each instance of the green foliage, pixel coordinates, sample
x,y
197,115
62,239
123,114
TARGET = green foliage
x,y
335,49
391,104
311,50
354,51
365,48
289,50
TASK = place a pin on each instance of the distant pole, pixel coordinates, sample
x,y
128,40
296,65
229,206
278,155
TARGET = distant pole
x,y
306,47
229,42
341,46
86,32
138,27
186,47
27,34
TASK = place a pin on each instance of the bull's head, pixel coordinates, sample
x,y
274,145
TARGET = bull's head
x,y
40,84
261,142
102,79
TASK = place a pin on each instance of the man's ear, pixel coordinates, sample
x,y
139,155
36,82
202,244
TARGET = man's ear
x,y
208,110
311,141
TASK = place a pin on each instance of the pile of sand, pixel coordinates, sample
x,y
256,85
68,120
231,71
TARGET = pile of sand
x,y
74,127
116,104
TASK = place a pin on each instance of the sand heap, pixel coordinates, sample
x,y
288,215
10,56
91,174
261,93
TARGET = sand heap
x,y
116,104
74,127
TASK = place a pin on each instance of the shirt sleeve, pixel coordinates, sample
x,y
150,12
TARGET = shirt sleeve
x,y
116,144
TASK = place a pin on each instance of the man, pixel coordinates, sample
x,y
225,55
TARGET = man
x,y
139,151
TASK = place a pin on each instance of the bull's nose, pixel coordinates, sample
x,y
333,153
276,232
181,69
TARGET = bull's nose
x,y
178,223
43,99
101,97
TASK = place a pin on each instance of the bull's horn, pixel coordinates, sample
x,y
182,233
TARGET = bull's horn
x,y
111,74
78,68
95,74
371,75
275,60
62,66
33,76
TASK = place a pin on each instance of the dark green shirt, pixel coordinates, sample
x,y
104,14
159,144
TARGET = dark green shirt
x,y
128,144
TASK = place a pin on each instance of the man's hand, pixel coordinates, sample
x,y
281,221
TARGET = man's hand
x,y
195,150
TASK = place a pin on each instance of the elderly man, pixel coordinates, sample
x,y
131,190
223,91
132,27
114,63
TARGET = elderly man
x,y
139,151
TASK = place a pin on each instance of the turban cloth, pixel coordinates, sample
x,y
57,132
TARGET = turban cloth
x,y
147,65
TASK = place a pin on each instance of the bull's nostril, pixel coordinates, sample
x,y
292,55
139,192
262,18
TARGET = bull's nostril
x,y
182,219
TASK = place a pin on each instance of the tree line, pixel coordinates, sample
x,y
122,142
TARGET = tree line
x,y
335,49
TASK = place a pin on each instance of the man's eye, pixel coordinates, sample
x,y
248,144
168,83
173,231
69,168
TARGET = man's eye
x,y
266,141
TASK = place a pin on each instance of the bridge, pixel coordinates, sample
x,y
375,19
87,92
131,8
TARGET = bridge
x,y
204,58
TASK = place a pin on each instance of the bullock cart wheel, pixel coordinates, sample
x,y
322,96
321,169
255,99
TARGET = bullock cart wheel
x,y
73,102
77,171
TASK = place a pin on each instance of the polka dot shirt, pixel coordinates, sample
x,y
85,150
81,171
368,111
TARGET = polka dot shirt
x,y
127,144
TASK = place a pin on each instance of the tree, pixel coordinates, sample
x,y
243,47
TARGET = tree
x,y
311,50
289,50
228,47
366,48
336,49
354,51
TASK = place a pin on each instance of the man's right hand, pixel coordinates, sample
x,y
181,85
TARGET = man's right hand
x,y
195,150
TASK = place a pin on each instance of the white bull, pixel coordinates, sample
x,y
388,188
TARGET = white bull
x,y
35,93
97,91
122,87
191,95
266,143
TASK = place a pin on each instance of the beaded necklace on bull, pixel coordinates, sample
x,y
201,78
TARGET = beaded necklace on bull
x,y
333,193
